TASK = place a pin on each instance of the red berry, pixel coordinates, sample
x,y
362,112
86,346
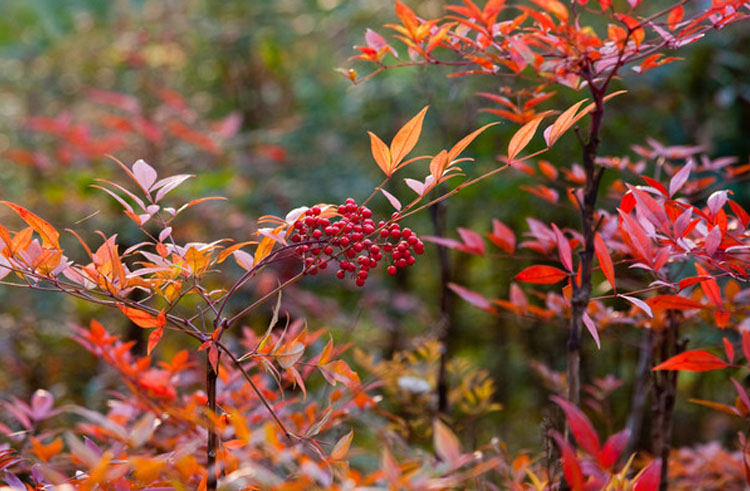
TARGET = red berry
x,y
392,270
340,274
401,263
328,250
359,282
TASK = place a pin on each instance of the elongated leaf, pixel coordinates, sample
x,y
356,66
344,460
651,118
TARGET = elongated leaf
x,y
638,303
571,466
380,153
693,361
141,318
605,261
153,339
563,248
406,138
561,124
613,448
502,236
648,478
474,298
541,275
580,426
676,302
523,137
47,232
342,446
591,327
459,147
446,443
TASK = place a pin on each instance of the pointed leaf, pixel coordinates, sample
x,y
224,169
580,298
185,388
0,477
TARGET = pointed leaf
x,y
446,442
561,124
580,426
381,154
522,137
474,298
638,303
693,361
49,235
153,339
541,275
342,446
141,318
406,138
605,261
591,327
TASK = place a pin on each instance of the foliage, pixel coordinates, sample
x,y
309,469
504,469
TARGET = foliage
x,y
213,385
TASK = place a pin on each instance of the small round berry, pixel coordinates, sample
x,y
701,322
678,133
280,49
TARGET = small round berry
x,y
401,263
358,246
384,233
328,250
322,265
374,249
340,274
363,275
392,270
345,241
317,233
366,212
315,210
296,238
395,234
409,260
359,282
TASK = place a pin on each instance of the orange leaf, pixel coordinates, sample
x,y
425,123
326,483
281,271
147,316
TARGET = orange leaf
x,y
675,16
153,339
542,275
466,141
693,361
523,137
342,446
562,124
406,139
49,235
380,153
141,318
605,261
46,452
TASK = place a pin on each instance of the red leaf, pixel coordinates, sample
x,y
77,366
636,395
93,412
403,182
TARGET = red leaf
x,y
729,350
502,236
474,242
541,275
648,478
676,302
742,393
476,299
613,448
693,361
605,261
746,344
709,286
580,426
571,466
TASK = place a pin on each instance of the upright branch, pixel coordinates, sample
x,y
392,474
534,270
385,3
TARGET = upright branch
x,y
582,285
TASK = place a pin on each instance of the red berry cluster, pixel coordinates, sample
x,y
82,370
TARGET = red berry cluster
x,y
352,242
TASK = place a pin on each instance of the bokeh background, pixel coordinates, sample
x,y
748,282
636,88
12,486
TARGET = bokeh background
x,y
245,94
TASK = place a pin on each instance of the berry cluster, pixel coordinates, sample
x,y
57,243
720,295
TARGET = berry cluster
x,y
352,242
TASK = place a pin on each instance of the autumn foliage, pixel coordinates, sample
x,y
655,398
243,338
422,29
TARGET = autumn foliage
x,y
227,377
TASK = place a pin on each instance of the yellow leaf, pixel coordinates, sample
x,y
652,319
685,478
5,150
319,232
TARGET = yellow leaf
x,y
523,137
406,139
196,260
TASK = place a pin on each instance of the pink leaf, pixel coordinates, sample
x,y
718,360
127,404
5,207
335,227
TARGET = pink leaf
x,y
145,175
638,303
476,299
392,200
589,323
680,178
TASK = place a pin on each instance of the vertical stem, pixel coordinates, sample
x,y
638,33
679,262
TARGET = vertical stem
x,y
582,290
437,214
212,443
665,391
640,391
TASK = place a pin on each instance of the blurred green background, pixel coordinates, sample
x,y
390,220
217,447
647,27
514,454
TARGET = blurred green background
x,y
289,130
